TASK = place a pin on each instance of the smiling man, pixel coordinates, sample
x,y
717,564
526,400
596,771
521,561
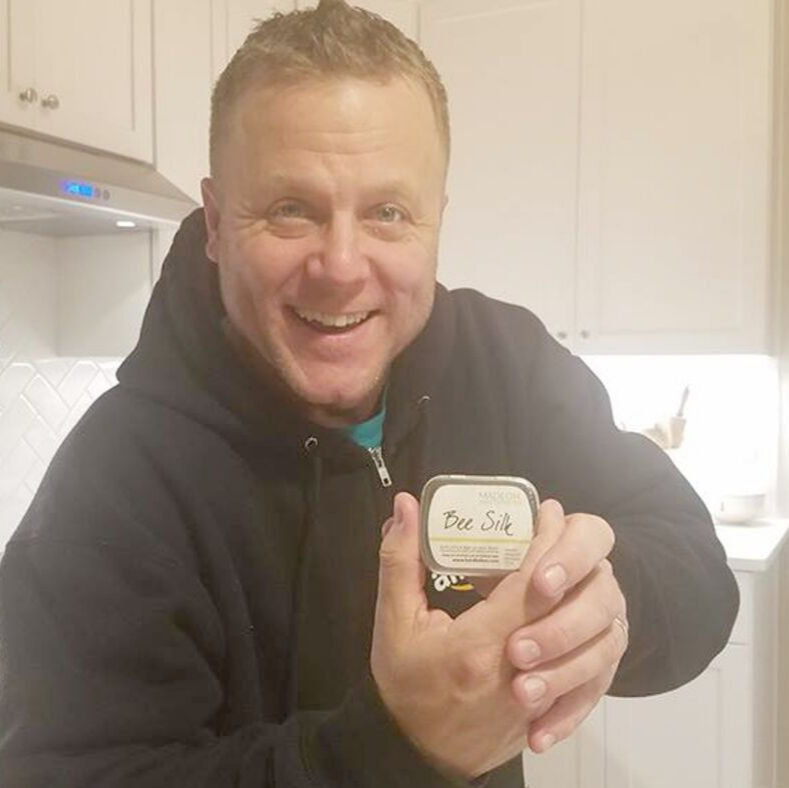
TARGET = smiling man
x,y
219,582
323,218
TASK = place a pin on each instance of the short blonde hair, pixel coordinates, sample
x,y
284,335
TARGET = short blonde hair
x,y
330,41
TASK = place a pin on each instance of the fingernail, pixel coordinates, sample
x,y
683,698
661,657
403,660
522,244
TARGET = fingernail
x,y
547,742
555,577
534,688
526,652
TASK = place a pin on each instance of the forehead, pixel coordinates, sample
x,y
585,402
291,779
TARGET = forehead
x,y
348,118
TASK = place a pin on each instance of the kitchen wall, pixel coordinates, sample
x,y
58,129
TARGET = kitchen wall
x,y
730,443
43,393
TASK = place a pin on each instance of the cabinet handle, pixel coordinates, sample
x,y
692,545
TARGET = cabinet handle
x,y
30,96
51,101
585,334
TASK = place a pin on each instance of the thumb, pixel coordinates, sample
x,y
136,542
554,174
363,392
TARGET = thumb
x,y
401,576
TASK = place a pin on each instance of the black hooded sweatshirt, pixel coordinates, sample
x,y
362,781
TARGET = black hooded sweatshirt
x,y
189,599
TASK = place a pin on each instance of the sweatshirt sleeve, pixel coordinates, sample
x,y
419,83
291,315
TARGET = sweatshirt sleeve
x,y
681,596
110,675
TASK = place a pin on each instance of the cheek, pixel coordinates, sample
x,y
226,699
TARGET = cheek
x,y
265,268
411,278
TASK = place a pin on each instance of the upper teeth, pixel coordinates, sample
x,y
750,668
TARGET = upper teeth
x,y
335,321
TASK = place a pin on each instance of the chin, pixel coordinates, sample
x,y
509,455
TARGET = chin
x,y
341,406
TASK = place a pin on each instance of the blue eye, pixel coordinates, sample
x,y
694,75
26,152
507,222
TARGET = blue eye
x,y
289,210
389,214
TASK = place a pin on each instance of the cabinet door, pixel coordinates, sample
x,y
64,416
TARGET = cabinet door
x,y
698,735
18,107
511,68
183,75
674,181
93,73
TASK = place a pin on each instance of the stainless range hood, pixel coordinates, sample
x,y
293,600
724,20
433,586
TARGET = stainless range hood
x,y
51,188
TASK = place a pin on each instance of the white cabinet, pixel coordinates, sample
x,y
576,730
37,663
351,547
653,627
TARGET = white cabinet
x,y
611,166
79,70
674,195
511,68
184,66
694,736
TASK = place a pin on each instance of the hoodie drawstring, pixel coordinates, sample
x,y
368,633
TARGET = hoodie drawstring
x,y
419,465
313,493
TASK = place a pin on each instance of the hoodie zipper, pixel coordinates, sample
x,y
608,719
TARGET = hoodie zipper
x,y
378,460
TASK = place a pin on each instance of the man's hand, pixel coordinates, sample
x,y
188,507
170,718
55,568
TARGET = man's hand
x,y
448,683
567,659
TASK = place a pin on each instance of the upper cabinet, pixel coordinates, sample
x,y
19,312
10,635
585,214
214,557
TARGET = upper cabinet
x,y
511,68
674,191
611,166
185,62
79,70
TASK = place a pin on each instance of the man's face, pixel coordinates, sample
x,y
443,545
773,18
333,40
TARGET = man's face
x,y
324,222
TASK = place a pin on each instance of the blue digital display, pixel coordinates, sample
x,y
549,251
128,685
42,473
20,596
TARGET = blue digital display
x,y
78,188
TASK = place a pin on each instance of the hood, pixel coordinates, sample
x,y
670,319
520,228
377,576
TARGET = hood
x,y
184,361
49,188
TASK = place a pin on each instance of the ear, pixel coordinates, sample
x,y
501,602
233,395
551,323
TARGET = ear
x,y
208,188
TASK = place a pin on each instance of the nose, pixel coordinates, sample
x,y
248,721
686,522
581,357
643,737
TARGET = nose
x,y
340,259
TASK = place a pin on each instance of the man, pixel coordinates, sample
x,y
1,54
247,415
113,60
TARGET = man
x,y
195,596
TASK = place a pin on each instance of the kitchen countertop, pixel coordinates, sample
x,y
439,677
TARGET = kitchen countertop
x,y
752,547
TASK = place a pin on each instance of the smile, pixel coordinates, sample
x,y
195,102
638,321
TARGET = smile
x,y
331,321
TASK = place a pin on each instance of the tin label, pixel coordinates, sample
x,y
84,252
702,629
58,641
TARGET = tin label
x,y
479,528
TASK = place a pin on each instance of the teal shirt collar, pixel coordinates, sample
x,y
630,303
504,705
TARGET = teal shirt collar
x,y
369,434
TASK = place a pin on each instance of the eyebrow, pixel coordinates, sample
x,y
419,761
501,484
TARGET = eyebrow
x,y
285,181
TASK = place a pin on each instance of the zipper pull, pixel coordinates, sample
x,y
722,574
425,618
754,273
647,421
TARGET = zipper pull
x,y
380,466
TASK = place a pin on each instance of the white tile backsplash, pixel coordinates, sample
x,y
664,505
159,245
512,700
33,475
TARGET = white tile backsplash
x,y
13,380
42,395
34,423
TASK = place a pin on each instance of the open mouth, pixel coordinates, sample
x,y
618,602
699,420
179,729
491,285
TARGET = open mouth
x,y
328,323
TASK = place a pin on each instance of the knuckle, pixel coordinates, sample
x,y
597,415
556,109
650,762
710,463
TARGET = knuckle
x,y
387,557
610,609
617,645
559,639
607,532
474,667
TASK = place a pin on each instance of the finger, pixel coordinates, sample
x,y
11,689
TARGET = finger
x,y
401,576
586,540
562,676
564,717
585,612
511,603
